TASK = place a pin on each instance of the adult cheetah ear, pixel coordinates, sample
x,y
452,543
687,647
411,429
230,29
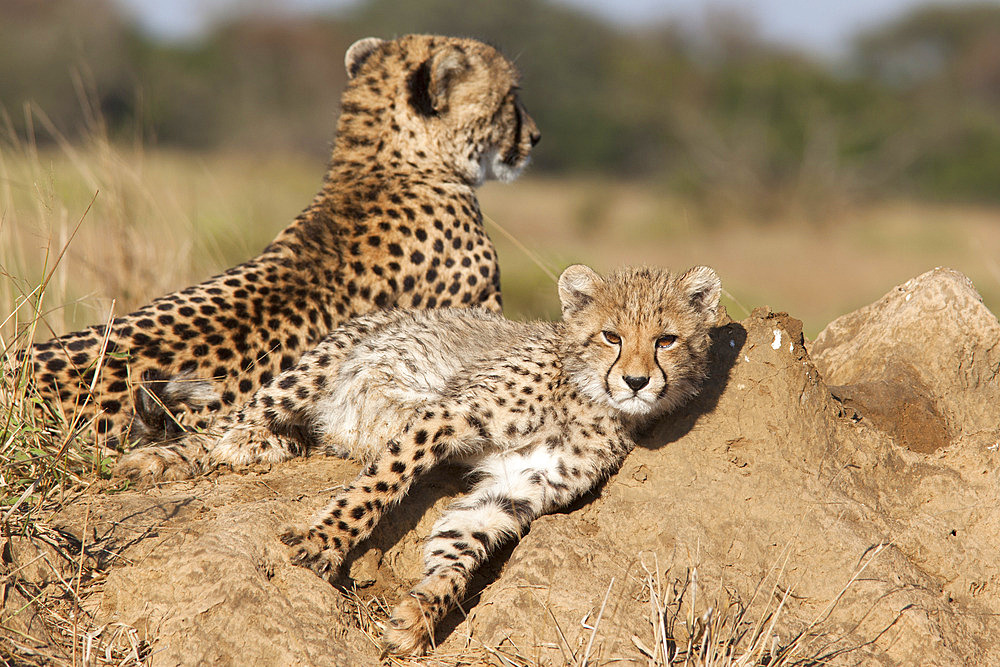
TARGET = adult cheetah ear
x,y
703,289
431,82
576,288
358,53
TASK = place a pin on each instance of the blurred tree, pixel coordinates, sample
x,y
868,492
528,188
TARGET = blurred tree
x,y
719,115
943,62
68,60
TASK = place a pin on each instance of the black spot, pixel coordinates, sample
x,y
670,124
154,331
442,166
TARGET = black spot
x,y
55,365
444,432
418,86
398,467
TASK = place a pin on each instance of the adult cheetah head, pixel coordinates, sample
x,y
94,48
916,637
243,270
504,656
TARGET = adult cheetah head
x,y
640,337
434,102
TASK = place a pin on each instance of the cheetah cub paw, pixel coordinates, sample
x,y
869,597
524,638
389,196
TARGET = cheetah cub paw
x,y
307,548
408,631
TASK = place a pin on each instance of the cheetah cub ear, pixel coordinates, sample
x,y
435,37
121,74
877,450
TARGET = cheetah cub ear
x,y
358,53
703,289
576,288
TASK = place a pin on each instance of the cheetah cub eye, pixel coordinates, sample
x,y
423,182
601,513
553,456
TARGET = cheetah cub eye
x,y
611,338
666,342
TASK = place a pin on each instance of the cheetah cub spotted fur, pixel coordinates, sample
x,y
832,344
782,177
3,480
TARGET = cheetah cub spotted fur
x,y
540,412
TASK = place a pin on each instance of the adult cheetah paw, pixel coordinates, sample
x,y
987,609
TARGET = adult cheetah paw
x,y
147,465
409,629
307,548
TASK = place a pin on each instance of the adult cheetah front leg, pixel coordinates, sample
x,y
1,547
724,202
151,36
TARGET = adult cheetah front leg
x,y
514,490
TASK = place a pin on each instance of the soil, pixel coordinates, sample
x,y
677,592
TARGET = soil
x,y
853,480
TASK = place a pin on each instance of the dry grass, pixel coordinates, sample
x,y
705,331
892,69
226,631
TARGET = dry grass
x,y
722,631
687,626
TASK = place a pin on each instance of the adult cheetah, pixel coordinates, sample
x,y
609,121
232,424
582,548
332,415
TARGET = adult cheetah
x,y
424,120
540,412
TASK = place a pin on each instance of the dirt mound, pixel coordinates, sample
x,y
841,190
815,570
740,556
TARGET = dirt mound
x,y
870,459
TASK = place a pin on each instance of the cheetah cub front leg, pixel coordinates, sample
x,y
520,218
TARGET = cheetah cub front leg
x,y
510,494
436,432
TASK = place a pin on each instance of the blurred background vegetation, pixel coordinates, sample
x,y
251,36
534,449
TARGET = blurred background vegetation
x,y
810,182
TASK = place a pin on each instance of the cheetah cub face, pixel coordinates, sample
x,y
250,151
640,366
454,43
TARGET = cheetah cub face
x,y
640,353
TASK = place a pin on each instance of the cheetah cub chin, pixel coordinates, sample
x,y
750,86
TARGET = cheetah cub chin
x,y
540,412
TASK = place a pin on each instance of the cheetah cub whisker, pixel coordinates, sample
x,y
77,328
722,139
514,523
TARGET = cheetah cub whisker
x,y
541,412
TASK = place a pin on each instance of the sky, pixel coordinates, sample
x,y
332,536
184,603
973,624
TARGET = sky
x,y
820,26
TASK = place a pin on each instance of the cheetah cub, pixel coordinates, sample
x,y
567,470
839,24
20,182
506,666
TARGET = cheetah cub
x,y
541,413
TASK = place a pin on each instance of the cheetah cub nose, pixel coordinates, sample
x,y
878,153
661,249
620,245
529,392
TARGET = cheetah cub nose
x,y
636,382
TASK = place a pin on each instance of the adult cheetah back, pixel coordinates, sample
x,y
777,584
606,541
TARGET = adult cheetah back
x,y
424,120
